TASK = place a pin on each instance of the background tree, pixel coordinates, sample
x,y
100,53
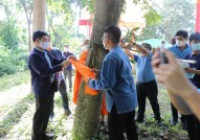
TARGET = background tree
x,y
27,6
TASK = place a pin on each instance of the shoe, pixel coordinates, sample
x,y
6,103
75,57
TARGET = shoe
x,y
139,120
160,122
67,112
173,122
184,126
48,137
51,117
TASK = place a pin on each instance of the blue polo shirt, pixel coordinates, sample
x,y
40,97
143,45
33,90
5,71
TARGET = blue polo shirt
x,y
144,72
181,54
196,79
117,81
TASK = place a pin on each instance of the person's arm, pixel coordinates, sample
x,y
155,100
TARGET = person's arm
x,y
36,63
179,103
131,55
107,78
141,49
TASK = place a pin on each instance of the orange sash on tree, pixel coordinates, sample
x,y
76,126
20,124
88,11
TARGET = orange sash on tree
x,y
83,70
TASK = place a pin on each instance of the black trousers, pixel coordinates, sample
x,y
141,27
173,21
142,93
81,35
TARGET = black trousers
x,y
193,127
41,116
175,115
120,123
65,101
149,90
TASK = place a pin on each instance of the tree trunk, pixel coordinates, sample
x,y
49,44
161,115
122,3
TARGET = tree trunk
x,y
29,37
39,14
88,109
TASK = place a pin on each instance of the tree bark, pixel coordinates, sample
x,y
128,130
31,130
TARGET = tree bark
x,y
88,109
39,14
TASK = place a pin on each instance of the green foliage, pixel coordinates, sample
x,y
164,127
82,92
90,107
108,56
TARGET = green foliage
x,y
89,4
12,60
168,17
11,33
152,17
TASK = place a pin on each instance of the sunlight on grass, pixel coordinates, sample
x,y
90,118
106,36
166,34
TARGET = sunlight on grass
x,y
9,81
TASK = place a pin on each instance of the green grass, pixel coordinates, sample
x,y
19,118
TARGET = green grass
x,y
9,81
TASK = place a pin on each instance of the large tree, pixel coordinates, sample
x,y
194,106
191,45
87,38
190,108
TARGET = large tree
x,y
39,15
27,6
88,108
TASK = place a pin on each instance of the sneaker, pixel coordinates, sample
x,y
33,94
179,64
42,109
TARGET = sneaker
x,y
173,122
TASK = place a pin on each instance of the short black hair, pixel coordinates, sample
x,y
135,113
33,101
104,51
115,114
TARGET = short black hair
x,y
66,46
114,33
194,36
147,45
182,33
39,34
173,41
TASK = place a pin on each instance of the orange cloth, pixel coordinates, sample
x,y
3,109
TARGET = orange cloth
x,y
83,70
103,106
86,72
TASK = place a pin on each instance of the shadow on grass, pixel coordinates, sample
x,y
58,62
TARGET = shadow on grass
x,y
14,116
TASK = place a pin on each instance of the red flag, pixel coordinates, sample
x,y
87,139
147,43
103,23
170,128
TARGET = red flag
x,y
198,17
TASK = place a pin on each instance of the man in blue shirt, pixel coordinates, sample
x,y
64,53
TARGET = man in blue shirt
x,y
193,124
146,85
181,50
68,70
117,81
43,69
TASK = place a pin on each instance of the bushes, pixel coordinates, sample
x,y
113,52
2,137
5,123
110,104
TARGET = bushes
x,y
12,60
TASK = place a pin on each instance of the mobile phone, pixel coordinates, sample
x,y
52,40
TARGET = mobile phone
x,y
163,57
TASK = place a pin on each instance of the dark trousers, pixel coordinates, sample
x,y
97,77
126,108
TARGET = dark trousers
x,y
41,116
68,75
119,123
65,101
193,127
149,90
175,115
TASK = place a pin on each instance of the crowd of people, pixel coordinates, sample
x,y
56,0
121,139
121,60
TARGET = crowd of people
x,y
50,67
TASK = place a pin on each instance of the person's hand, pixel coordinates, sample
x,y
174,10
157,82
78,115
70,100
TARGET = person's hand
x,y
95,70
65,64
86,79
171,74
71,57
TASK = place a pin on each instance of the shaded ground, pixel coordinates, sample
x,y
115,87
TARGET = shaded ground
x,y
17,107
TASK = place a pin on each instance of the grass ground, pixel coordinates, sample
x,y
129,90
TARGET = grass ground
x,y
17,107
